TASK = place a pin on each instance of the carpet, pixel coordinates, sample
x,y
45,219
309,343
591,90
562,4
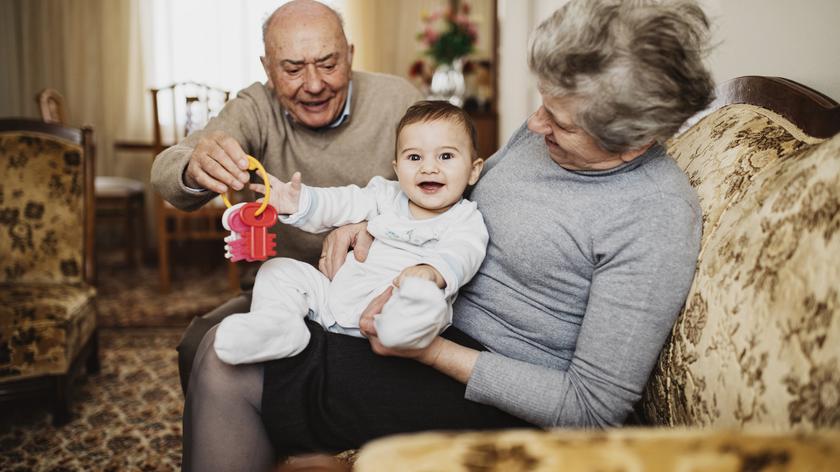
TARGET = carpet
x,y
131,298
127,418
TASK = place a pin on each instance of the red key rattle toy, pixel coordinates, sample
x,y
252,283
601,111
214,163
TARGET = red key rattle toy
x,y
248,224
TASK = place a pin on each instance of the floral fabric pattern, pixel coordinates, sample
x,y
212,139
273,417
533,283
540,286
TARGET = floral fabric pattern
x,y
41,209
757,343
43,327
615,450
47,311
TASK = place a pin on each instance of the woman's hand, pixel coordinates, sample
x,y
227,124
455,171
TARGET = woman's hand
x,y
426,355
285,197
338,244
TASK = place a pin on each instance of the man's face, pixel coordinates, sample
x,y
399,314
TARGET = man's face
x,y
308,63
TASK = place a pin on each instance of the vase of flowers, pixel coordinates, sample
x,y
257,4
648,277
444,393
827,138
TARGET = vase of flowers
x,y
448,83
449,36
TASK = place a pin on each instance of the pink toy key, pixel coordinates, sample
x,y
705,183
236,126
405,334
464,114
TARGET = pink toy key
x,y
259,241
235,248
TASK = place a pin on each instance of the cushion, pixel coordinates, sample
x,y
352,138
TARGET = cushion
x,y
757,343
43,327
41,205
617,450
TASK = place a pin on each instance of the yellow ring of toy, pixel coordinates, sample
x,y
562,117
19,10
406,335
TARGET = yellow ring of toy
x,y
254,164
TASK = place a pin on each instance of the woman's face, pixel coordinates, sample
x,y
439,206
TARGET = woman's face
x,y
568,144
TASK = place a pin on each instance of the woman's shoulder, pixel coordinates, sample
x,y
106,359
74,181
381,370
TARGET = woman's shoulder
x,y
666,180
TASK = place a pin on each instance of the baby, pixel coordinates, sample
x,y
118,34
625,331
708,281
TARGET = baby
x,y
429,242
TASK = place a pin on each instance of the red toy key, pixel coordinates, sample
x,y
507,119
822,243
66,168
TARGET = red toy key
x,y
248,224
259,241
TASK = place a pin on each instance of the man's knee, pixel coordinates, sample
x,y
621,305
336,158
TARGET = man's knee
x,y
198,328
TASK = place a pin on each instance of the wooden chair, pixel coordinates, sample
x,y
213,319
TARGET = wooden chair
x,y
47,297
117,198
179,109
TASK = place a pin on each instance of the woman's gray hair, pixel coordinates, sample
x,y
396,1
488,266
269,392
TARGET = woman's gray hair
x,y
636,66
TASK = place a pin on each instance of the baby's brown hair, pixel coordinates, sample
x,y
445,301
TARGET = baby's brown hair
x,y
426,111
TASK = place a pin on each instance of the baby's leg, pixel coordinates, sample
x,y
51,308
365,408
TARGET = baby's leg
x,y
285,290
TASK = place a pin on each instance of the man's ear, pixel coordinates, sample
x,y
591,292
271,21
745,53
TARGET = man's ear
x,y
350,50
266,68
475,172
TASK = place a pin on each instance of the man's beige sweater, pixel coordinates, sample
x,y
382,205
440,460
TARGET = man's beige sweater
x,y
352,153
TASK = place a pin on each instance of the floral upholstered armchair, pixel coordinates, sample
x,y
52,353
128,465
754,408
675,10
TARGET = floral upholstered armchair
x,y
750,379
47,300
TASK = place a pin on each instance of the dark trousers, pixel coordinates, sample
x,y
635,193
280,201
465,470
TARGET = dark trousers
x,y
338,394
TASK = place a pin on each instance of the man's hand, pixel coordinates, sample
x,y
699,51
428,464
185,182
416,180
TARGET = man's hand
x,y
339,242
427,355
285,197
217,163
422,271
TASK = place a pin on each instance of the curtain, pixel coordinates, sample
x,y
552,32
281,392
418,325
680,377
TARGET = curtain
x,y
85,49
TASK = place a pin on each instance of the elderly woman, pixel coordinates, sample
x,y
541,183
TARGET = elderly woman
x,y
594,232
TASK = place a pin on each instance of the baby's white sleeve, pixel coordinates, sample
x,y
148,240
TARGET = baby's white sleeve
x,y
414,315
324,208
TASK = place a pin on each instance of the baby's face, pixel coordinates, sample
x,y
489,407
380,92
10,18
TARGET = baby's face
x,y
434,166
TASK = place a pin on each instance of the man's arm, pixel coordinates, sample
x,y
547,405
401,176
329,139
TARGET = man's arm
x,y
210,161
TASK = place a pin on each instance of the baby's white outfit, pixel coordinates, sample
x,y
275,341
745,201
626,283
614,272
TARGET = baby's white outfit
x,y
286,290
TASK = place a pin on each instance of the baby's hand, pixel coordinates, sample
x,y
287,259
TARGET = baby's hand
x,y
284,196
423,271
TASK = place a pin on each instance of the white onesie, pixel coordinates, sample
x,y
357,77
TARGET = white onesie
x,y
286,290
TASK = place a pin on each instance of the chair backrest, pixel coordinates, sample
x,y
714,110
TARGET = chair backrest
x,y
46,203
51,106
181,108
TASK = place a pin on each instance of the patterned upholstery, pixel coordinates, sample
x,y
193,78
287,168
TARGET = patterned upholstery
x,y
758,342
47,311
757,347
650,450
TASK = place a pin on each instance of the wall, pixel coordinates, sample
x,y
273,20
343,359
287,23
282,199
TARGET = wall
x,y
796,40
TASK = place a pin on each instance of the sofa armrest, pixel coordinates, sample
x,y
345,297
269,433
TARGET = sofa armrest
x,y
620,449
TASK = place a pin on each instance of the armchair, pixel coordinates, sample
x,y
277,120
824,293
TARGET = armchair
x,y
47,298
117,198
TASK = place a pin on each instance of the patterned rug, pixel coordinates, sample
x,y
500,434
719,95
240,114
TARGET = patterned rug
x,y
131,298
127,418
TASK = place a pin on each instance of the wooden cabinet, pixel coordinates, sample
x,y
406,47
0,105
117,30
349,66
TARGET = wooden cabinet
x,y
487,128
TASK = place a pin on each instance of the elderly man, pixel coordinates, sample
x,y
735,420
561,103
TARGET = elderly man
x,y
313,115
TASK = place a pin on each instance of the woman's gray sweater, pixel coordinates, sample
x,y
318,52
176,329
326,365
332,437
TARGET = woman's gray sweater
x,y
584,276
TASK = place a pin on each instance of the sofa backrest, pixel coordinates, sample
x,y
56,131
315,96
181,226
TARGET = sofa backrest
x,y
758,343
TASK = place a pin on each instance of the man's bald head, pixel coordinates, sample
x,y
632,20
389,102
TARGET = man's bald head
x,y
297,10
